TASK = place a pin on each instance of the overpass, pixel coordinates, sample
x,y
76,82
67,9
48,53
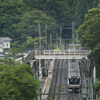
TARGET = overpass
x,y
62,54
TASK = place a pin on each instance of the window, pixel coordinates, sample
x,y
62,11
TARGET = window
x,y
74,80
7,44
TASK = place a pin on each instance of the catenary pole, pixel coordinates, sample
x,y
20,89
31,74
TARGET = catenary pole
x,y
60,36
46,35
39,35
73,30
50,39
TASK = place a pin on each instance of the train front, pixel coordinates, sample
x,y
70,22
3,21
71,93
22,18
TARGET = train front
x,y
74,84
74,79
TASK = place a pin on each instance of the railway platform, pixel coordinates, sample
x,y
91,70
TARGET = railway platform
x,y
45,83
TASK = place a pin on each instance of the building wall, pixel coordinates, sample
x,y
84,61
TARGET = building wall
x,y
1,45
6,45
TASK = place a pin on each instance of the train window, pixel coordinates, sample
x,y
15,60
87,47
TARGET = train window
x,y
77,81
71,81
74,80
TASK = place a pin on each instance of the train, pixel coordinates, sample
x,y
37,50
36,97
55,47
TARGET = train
x,y
74,77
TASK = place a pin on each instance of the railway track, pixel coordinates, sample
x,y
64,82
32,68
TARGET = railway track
x,y
55,80
59,89
59,81
58,86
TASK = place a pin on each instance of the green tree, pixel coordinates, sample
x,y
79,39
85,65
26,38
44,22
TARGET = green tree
x,y
18,83
54,8
30,20
95,3
19,49
81,8
97,89
89,33
21,17
18,19
7,61
10,14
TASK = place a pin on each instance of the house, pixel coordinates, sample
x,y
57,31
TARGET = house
x,y
4,44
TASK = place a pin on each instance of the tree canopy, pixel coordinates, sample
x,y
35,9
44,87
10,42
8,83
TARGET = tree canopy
x,y
18,83
17,19
21,17
89,32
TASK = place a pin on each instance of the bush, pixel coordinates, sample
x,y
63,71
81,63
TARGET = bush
x,y
97,88
18,83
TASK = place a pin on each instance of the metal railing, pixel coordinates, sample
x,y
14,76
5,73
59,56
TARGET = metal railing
x,y
62,52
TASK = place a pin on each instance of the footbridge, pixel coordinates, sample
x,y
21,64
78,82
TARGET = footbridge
x,y
62,54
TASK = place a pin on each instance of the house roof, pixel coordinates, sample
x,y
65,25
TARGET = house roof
x,y
5,39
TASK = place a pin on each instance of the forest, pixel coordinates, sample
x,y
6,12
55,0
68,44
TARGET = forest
x,y
20,18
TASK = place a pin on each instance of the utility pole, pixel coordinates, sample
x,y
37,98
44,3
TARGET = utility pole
x,y
40,70
60,36
50,39
57,40
73,30
77,39
47,67
39,35
46,35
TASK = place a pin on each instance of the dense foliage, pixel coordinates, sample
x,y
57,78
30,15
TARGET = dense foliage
x,y
97,89
20,18
18,83
89,32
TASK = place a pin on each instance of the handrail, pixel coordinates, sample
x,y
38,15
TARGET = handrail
x,y
61,52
